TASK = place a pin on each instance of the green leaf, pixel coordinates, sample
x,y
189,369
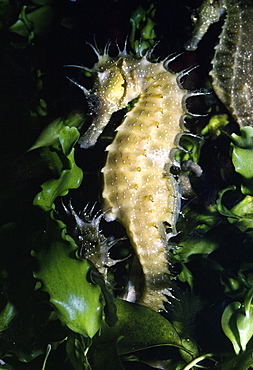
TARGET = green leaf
x,y
228,323
241,214
223,209
237,324
65,278
186,275
197,237
28,356
233,286
106,353
243,361
248,303
33,21
110,309
142,35
50,135
7,315
76,348
245,326
215,126
138,327
245,140
68,136
191,346
244,211
192,146
237,319
70,175
5,366
195,245
242,157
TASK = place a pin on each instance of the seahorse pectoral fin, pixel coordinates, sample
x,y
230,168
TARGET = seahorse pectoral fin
x,y
109,216
108,212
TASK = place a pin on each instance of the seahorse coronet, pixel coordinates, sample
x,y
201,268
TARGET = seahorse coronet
x,y
139,191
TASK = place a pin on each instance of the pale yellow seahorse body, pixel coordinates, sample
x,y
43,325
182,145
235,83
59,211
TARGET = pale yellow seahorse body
x,y
139,190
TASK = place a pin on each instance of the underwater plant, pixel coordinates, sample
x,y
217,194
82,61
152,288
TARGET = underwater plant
x,y
73,292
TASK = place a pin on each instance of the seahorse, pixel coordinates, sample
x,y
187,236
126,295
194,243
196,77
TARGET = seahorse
x,y
139,190
232,72
92,243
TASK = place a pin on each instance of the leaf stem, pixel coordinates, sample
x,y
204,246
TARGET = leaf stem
x,y
197,360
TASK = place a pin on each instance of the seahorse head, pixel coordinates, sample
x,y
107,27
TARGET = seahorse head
x,y
109,86
209,13
114,87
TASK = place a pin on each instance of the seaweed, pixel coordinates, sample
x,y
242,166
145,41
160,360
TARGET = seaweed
x,y
56,311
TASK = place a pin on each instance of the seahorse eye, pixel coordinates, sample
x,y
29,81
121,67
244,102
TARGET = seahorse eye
x,y
194,16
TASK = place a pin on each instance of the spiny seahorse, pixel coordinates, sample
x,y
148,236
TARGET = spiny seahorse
x,y
232,71
92,243
139,190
